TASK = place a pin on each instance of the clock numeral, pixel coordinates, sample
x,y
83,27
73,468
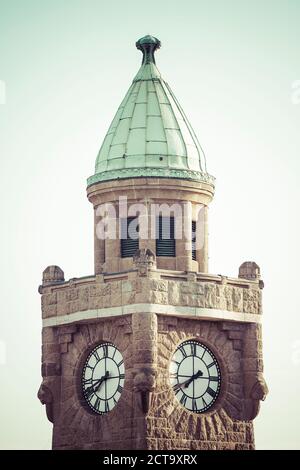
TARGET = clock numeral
x,y
107,409
174,375
96,355
193,349
87,381
211,392
89,391
119,389
122,376
105,350
97,403
183,399
176,362
183,352
194,405
204,403
120,363
213,378
211,364
115,350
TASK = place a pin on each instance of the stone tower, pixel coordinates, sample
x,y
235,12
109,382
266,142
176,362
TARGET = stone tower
x,y
151,351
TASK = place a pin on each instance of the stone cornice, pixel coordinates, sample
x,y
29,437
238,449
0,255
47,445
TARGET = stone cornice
x,y
150,173
158,188
178,311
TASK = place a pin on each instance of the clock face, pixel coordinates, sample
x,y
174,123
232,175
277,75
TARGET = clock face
x,y
103,378
195,376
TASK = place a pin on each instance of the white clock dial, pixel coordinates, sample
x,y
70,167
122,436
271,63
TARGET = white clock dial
x,y
195,376
103,378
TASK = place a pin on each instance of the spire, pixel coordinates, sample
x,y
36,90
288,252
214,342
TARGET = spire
x,y
150,135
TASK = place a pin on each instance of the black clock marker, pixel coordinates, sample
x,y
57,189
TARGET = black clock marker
x,y
213,378
95,353
183,399
211,392
210,365
183,352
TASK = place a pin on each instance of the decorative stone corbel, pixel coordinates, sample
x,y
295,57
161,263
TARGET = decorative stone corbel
x,y
258,391
144,383
46,398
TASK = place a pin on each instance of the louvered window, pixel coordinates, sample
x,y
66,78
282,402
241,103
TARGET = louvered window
x,y
194,228
129,237
165,239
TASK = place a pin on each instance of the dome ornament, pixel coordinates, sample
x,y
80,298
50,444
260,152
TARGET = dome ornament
x,y
148,45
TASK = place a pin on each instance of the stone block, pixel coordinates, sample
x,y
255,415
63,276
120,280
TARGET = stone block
x,y
253,364
65,338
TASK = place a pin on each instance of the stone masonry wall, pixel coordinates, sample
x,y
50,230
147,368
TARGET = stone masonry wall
x,y
148,415
130,288
147,342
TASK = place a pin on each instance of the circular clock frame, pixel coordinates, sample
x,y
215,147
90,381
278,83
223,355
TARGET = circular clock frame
x,y
195,376
102,376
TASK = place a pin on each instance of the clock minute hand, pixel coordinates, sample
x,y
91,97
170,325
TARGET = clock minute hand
x,y
97,385
91,389
101,381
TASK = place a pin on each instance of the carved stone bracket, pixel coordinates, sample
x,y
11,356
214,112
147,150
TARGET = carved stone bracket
x,y
144,383
257,391
45,396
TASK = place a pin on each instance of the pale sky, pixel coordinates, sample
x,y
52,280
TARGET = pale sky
x,y
64,69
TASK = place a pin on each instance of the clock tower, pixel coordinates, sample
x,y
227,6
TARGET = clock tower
x,y
151,351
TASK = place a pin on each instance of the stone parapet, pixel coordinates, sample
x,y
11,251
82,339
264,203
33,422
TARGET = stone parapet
x,y
161,287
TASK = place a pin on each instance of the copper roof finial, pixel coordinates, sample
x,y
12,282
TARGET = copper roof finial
x,y
148,45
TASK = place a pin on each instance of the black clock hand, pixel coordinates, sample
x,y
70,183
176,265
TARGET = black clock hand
x,y
103,379
90,390
93,388
195,376
187,382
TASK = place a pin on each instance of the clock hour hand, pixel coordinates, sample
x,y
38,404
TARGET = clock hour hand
x,y
187,382
195,376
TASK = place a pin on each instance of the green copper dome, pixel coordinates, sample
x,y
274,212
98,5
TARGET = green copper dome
x,y
150,136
